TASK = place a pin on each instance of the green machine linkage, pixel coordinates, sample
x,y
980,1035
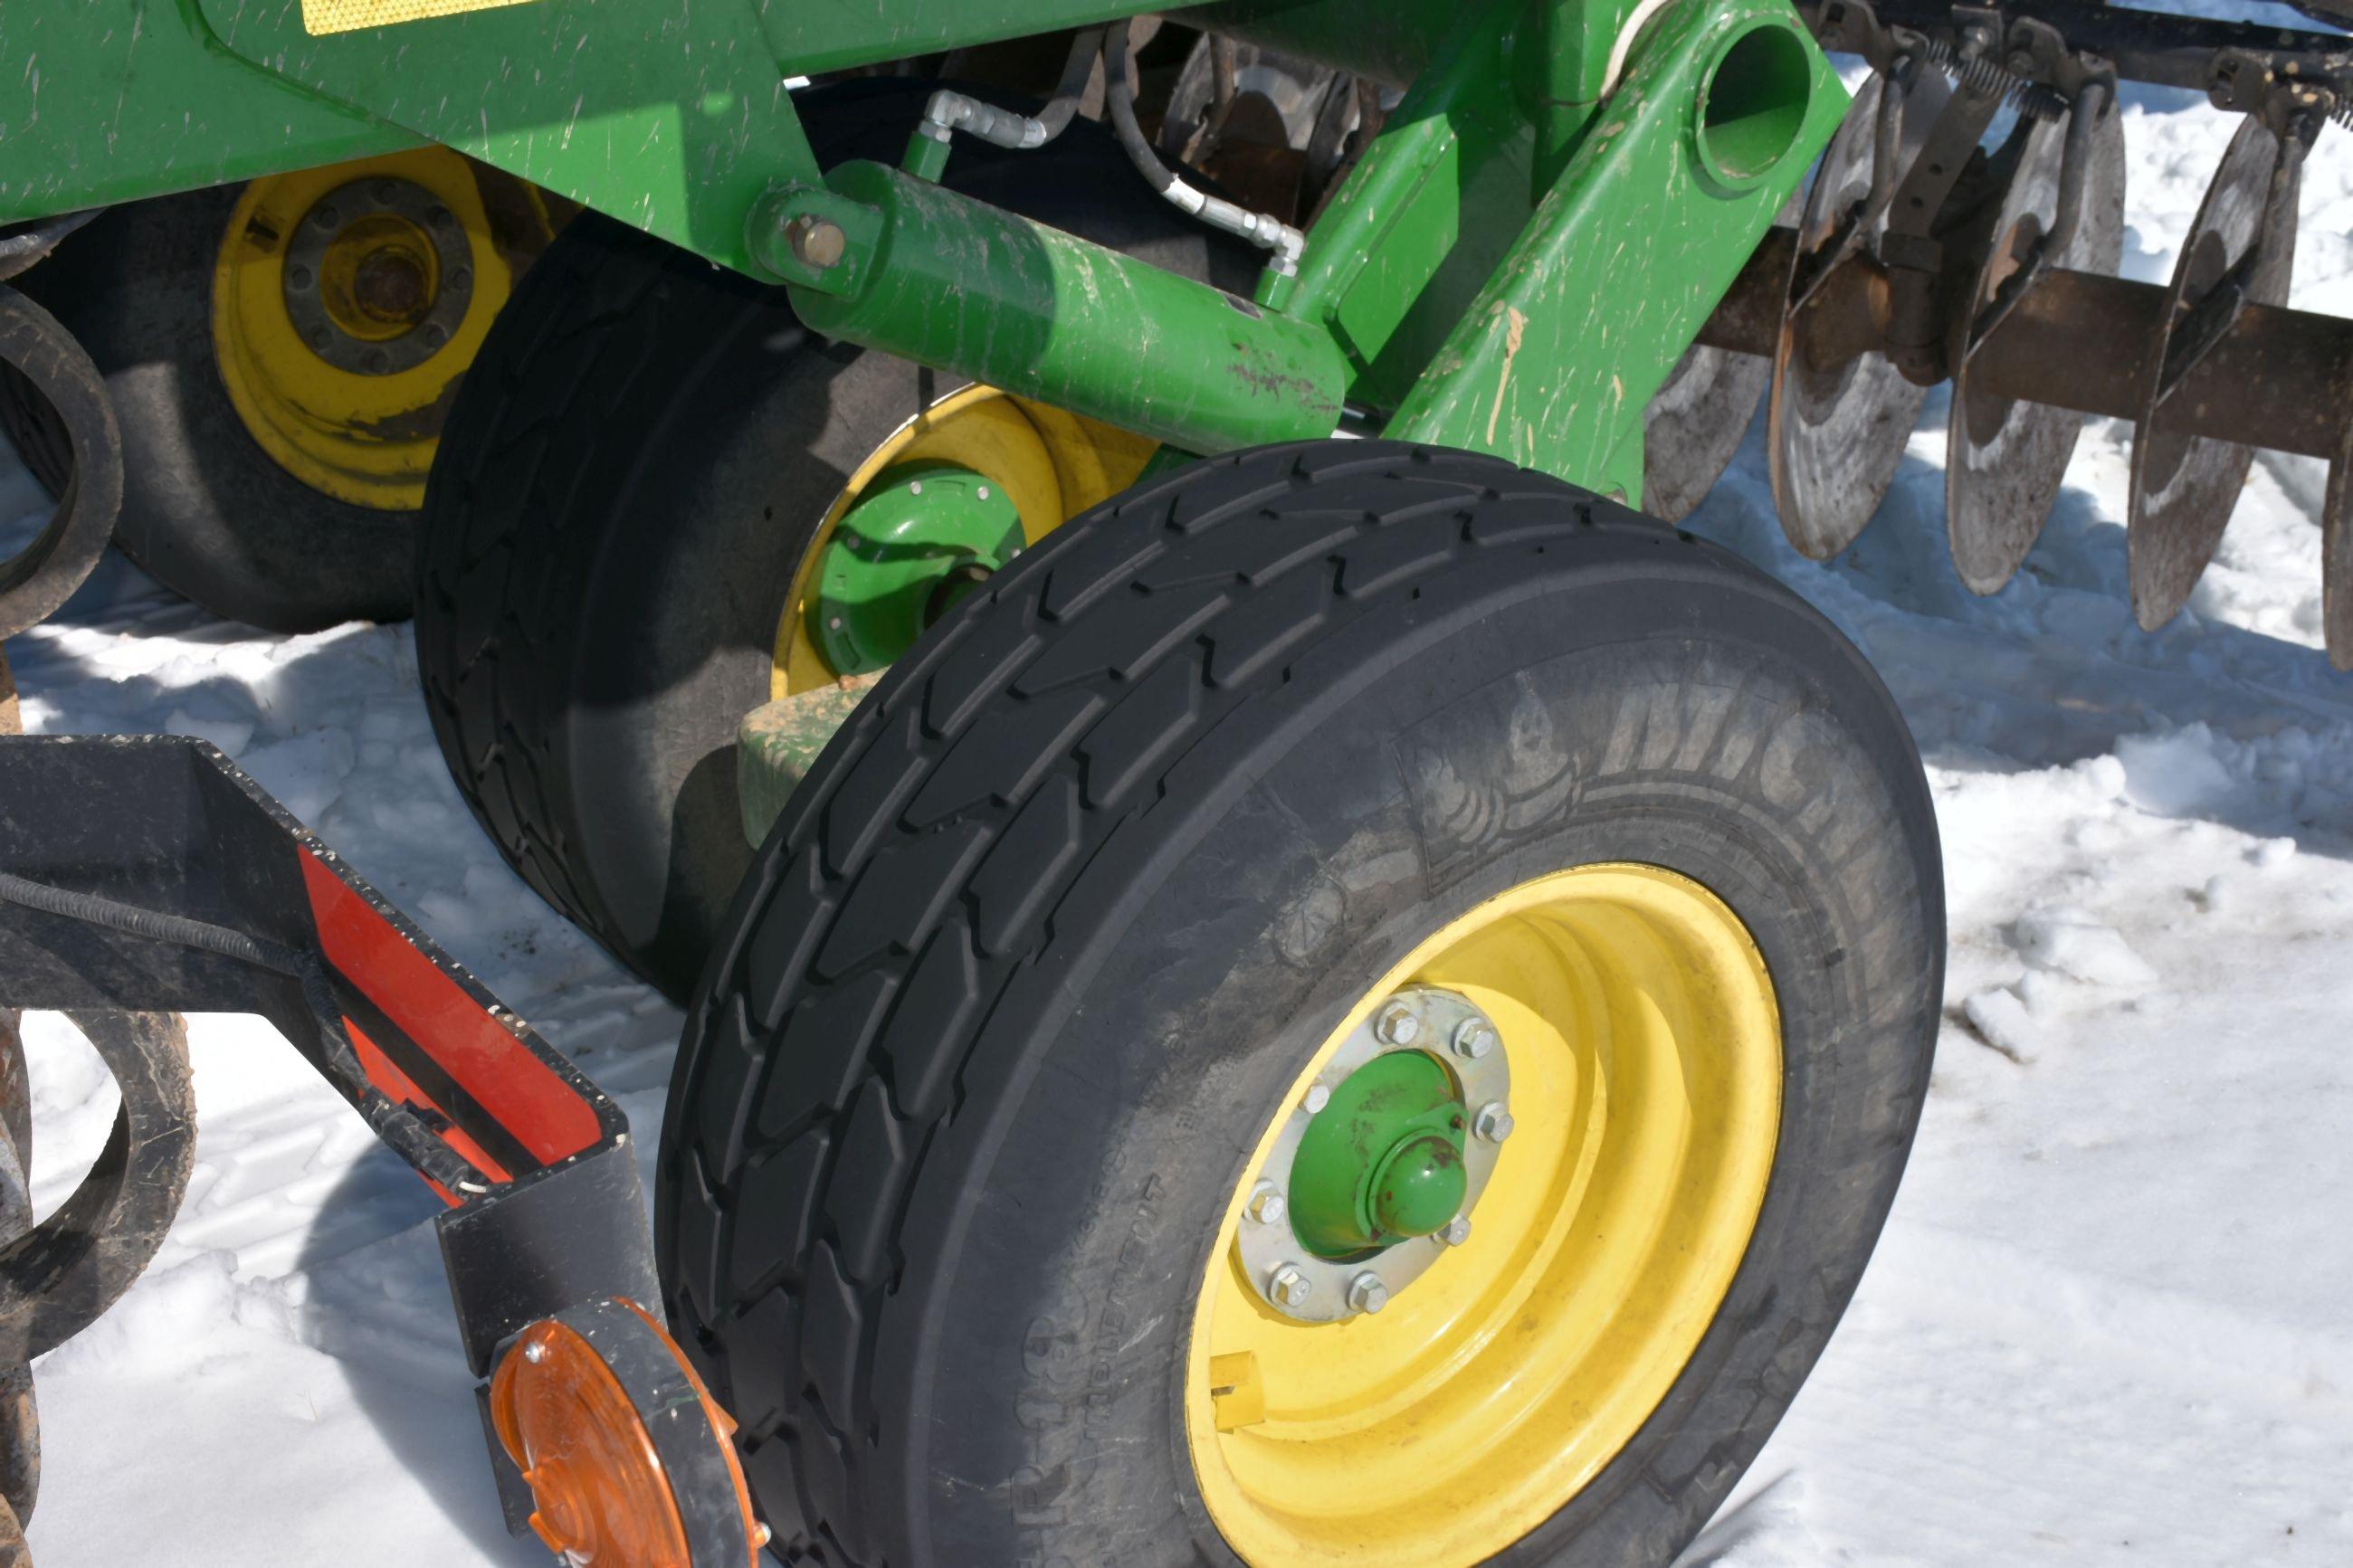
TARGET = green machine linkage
x,y
1514,264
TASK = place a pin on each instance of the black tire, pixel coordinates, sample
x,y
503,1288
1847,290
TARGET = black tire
x,y
638,460
204,508
68,426
1196,770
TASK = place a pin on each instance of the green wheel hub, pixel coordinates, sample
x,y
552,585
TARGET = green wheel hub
x,y
922,537
1377,1167
1383,1161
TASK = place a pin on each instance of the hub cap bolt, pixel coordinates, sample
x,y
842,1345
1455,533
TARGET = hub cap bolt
x,y
1290,1287
1366,1293
1457,1231
1318,1096
1266,1203
1474,1038
1397,1025
1493,1123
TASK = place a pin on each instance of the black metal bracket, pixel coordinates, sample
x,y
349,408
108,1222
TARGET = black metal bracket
x,y
171,827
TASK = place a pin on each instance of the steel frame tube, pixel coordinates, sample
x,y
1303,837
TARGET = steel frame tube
x,y
2278,378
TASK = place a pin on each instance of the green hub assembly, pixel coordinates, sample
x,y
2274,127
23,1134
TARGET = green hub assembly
x,y
1383,1161
922,537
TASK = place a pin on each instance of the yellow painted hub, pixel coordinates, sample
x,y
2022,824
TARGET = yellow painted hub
x,y
348,301
1646,1087
1052,464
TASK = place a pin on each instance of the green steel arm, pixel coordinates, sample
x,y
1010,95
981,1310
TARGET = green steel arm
x,y
1424,218
1545,348
108,100
1722,110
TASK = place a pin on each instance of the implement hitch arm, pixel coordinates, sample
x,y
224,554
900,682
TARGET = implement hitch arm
x,y
148,876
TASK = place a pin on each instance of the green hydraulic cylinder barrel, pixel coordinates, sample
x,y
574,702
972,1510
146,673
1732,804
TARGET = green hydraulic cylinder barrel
x,y
889,261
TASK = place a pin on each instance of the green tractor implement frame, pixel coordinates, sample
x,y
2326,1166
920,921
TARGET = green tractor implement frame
x,y
1515,266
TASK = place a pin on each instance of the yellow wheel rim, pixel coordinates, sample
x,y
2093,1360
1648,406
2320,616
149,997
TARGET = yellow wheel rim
x,y
1645,1058
1053,465
348,301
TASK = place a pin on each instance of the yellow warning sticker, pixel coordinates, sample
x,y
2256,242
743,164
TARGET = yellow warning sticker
x,y
322,16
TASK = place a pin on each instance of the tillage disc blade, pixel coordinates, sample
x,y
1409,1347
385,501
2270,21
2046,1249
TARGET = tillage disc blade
x,y
1698,419
1697,424
2336,558
1837,434
2005,459
2183,485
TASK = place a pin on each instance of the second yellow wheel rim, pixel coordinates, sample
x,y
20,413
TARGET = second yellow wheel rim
x,y
1645,1061
347,302
1052,464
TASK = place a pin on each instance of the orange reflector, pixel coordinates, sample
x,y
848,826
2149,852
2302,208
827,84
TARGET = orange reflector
x,y
603,1497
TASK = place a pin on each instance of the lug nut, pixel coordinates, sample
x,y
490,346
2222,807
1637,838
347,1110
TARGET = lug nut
x,y
1457,1231
1474,1038
1493,1123
1318,1096
1395,1025
1290,1286
1266,1203
1367,1293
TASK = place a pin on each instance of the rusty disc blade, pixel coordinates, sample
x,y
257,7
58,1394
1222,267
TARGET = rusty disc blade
x,y
1837,436
2005,460
1695,425
2184,486
2336,558
1697,420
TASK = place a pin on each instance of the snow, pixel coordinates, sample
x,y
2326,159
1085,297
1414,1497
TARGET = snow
x,y
2106,1324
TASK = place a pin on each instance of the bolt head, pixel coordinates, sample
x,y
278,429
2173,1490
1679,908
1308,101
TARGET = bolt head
x,y
1267,1205
1395,1025
1368,1292
1457,1231
815,241
535,1352
1289,1286
1474,1038
1493,1122
981,493
1317,1097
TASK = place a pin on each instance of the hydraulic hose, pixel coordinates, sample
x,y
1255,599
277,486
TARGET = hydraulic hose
x,y
1260,229
950,112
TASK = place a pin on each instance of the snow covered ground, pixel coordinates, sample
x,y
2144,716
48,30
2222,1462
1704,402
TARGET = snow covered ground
x,y
2108,1323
